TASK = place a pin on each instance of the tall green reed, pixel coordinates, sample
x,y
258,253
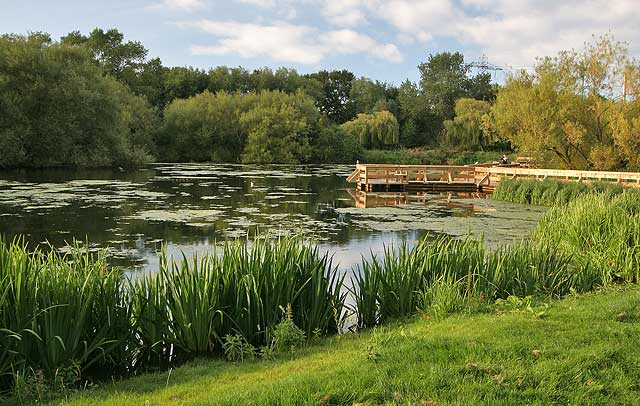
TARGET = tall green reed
x,y
550,192
394,286
58,311
190,305
599,230
594,240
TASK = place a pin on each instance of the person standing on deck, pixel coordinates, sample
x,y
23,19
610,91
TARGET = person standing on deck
x,y
505,159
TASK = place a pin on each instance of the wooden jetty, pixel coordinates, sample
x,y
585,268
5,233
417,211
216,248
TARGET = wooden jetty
x,y
468,178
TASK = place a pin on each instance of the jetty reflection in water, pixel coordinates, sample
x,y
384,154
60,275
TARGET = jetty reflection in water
x,y
364,200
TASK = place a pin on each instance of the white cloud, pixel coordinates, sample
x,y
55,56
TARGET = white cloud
x,y
513,35
345,12
422,18
260,3
351,42
184,5
509,32
288,42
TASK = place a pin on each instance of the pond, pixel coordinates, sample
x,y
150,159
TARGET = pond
x,y
190,207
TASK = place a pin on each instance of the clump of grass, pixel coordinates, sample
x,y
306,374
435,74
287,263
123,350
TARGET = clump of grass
x,y
526,268
591,241
443,297
190,305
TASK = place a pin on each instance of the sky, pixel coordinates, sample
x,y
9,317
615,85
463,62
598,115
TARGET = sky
x,y
382,40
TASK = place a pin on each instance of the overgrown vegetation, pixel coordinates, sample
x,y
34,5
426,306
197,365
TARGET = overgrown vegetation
x,y
57,108
579,109
420,156
98,100
376,130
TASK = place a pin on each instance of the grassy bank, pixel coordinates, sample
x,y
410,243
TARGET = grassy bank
x,y
581,351
420,156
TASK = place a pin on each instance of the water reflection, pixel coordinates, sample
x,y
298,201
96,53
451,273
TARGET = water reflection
x,y
190,206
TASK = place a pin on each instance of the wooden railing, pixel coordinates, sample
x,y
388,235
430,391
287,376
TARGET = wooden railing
x,y
381,174
486,175
481,175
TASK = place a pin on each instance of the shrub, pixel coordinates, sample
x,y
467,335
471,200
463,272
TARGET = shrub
x,y
286,335
236,348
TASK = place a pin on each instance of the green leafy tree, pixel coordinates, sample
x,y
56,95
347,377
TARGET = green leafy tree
x,y
184,82
466,129
418,123
335,101
571,111
229,80
124,60
444,78
335,145
118,58
205,127
377,130
57,108
369,96
280,127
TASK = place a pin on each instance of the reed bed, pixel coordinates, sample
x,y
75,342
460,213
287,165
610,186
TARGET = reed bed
x,y
551,192
592,241
600,231
71,315
58,312
435,271
189,306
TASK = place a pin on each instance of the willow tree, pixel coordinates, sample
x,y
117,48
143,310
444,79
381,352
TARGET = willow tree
x,y
466,129
377,130
574,110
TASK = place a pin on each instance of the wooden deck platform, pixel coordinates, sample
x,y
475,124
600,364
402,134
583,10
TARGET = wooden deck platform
x,y
471,178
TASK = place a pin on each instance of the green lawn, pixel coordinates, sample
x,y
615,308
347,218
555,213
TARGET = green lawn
x,y
584,350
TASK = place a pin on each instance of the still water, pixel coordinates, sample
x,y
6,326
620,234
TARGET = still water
x,y
191,207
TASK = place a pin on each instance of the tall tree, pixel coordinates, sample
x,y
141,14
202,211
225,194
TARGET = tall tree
x,y
57,108
466,129
574,109
121,59
280,128
369,96
443,80
335,102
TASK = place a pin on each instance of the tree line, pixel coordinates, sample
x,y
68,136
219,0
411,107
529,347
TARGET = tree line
x,y
98,100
